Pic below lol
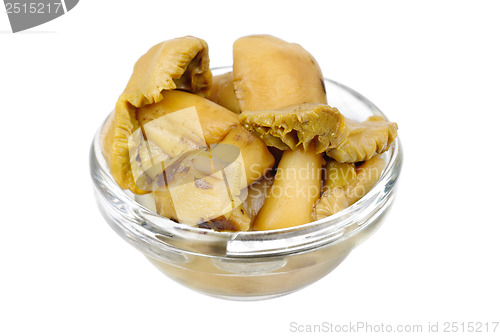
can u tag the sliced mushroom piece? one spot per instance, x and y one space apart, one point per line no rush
365 139
269 73
178 63
296 186
338 198
222 92
309 126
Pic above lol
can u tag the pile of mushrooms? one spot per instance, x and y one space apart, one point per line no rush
257 148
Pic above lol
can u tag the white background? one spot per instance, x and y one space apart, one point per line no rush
432 66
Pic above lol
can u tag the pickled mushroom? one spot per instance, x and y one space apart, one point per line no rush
337 197
295 189
178 63
269 73
305 126
365 139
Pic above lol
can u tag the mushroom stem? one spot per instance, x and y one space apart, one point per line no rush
257 159
296 186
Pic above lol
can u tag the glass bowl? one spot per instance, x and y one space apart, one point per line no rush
257 264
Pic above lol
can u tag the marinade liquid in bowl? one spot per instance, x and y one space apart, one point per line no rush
250 265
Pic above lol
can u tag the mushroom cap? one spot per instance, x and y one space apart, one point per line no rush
269 73
332 201
364 140
178 63
306 126
339 197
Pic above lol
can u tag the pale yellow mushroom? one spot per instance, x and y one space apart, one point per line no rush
296 186
340 197
364 140
269 73
179 123
222 92
179 63
215 120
